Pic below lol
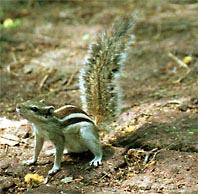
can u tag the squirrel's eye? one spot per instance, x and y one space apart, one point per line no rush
34 108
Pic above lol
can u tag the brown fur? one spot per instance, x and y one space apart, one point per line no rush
67 110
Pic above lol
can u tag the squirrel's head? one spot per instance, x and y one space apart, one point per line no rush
35 111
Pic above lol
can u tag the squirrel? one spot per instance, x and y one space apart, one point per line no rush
70 127
67 127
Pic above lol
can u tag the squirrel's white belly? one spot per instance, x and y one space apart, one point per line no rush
72 144
73 140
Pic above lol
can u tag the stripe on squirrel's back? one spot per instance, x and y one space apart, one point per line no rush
68 110
76 120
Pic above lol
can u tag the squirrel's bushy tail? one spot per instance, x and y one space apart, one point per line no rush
100 93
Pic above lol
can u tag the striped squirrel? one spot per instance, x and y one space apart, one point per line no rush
70 127
67 127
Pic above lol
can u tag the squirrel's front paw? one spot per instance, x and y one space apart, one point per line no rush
53 170
96 161
29 162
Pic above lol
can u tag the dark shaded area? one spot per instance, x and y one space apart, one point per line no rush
155 135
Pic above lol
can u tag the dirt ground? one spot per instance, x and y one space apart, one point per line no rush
41 58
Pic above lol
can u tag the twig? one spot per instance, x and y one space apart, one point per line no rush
172 102
72 77
106 174
148 154
155 154
178 61
181 64
14 57
14 62
45 79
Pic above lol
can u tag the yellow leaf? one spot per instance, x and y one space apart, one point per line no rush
130 129
51 89
130 175
187 60
24 12
7 23
33 180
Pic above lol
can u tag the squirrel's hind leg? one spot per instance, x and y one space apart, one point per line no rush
91 140
96 161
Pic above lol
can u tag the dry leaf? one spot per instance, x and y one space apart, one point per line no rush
67 179
6 123
9 142
33 180
187 60
130 129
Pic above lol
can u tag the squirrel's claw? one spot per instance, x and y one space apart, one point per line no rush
96 161
53 170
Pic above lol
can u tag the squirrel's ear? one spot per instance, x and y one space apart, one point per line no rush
50 109
42 101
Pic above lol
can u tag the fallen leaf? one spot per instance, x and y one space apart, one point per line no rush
67 179
7 23
10 137
9 142
33 180
187 60
6 123
130 129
